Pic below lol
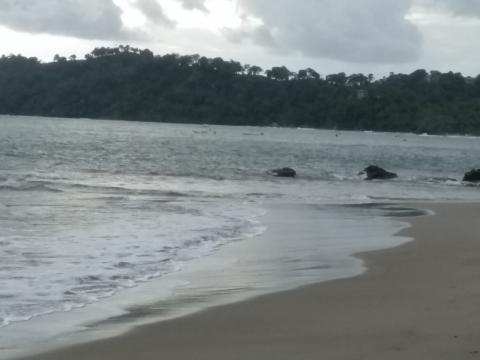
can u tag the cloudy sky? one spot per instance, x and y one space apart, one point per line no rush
369 36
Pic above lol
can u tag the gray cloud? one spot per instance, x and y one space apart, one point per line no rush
153 12
364 31
260 35
368 31
90 19
194 4
468 8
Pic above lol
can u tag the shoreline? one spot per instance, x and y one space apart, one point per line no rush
415 301
290 254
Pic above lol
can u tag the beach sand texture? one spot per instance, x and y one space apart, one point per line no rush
417 301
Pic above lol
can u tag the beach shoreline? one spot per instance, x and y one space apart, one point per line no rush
291 253
415 301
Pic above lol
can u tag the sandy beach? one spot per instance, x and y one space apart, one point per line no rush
416 301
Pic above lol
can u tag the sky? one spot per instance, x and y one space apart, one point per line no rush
367 36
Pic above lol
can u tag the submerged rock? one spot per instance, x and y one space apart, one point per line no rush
376 172
283 172
472 176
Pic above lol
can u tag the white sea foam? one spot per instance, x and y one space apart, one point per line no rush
105 239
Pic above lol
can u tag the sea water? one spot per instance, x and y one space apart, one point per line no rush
98 216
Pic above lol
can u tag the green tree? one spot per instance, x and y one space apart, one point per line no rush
279 73
134 84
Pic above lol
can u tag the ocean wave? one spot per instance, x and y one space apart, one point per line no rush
402 178
36 182
126 253
436 180
125 190
29 187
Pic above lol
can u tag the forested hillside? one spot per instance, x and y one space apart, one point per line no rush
133 84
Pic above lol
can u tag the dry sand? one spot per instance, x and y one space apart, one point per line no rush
417 301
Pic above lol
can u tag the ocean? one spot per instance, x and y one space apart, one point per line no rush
105 224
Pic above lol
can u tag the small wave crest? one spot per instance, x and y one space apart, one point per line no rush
124 190
28 186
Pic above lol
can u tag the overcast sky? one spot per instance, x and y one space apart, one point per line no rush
369 36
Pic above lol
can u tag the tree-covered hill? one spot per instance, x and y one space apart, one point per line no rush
133 84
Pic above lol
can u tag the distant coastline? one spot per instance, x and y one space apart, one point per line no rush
127 83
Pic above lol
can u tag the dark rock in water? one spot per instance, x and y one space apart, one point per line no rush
376 172
472 176
284 172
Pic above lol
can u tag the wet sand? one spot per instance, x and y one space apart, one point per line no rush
416 301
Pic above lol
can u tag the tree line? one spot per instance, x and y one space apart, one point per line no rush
134 84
